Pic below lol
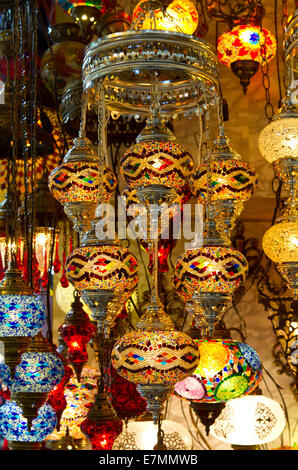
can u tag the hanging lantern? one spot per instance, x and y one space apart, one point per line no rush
39 370
13 426
142 435
75 183
144 357
22 315
62 63
227 369
79 398
86 13
156 162
56 398
244 48
180 16
77 330
101 425
249 421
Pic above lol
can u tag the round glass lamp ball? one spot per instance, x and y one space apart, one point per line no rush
155 357
279 139
227 369
280 242
61 65
21 315
209 269
180 16
110 267
13 425
250 420
37 372
156 162
230 179
244 42
79 182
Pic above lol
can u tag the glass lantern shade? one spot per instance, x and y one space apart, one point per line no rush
109 267
156 163
74 182
279 139
13 425
142 435
65 59
244 42
36 373
180 16
250 420
102 434
21 315
229 179
209 269
155 357
56 398
227 369
280 242
68 5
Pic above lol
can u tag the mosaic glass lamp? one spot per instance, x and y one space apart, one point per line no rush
22 315
142 435
180 16
243 49
39 370
13 426
249 421
75 183
227 369
77 330
155 357
56 398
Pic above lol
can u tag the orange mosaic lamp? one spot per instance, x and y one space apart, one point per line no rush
244 48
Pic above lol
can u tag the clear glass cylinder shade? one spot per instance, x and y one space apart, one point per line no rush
250 420
13 425
279 139
280 242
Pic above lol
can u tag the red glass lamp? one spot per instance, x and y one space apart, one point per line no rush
244 48
56 398
77 330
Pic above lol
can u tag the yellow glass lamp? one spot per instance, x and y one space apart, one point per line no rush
180 16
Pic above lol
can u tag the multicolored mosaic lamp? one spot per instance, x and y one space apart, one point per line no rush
251 420
180 16
13 426
39 370
77 330
22 315
244 48
75 183
225 181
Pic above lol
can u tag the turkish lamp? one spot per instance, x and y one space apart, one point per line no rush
67 442
22 315
252 420
77 330
244 48
56 398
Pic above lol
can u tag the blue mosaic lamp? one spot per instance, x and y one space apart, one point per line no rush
22 315
37 373
13 426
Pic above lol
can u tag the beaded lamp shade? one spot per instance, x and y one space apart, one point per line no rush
13 425
105 266
249 420
229 179
218 269
227 369
179 16
244 42
152 162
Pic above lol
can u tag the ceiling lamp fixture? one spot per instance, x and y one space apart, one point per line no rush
244 48
180 16
249 421
86 13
